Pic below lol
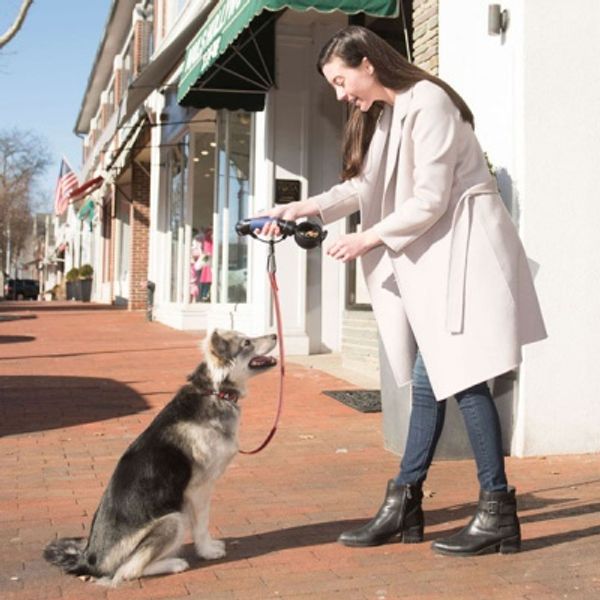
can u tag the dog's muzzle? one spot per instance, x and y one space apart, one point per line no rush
262 362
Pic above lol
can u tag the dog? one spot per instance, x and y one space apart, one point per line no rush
163 482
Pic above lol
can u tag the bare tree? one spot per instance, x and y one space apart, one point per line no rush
23 159
14 28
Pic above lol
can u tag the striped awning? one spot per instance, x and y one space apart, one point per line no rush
220 44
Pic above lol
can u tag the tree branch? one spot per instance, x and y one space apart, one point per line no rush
13 30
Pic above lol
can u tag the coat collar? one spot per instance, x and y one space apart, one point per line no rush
401 104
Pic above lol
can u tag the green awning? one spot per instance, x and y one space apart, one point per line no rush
225 24
86 212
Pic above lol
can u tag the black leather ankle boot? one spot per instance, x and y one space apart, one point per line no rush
400 516
495 527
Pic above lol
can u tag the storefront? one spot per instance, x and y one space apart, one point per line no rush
197 260
246 122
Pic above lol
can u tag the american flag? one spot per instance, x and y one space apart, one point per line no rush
67 182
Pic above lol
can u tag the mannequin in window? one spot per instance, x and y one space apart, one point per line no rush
206 270
196 264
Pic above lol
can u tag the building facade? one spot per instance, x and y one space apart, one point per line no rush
183 160
198 114
535 97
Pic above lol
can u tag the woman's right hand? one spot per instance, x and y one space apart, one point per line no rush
286 212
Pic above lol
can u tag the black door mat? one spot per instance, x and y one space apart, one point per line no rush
367 401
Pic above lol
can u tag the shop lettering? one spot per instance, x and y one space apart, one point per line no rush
205 48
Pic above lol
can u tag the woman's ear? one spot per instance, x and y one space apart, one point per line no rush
366 64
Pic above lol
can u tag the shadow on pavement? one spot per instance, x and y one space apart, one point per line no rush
38 403
16 339
37 306
94 353
559 538
251 546
16 317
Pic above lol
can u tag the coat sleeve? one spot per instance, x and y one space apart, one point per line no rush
434 138
339 201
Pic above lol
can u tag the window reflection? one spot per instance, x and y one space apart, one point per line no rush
233 199
178 164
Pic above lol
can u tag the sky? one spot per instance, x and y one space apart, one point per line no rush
44 72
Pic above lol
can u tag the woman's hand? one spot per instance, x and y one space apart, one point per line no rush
352 245
286 212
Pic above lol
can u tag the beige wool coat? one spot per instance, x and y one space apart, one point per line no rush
451 277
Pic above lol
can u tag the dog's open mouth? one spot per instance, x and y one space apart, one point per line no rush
262 362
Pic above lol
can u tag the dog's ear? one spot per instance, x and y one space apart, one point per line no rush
219 346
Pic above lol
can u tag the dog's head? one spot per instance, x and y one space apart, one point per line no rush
237 357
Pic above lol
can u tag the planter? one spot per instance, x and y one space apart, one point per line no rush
73 290
86 289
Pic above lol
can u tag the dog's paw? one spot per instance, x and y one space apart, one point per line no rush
177 565
211 549
166 565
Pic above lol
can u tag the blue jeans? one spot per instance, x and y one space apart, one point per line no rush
426 423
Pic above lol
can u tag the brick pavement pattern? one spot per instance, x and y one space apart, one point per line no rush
79 382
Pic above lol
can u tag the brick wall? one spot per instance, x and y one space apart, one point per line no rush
118 80
140 232
139 45
425 35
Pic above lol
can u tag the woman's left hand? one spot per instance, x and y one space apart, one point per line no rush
352 245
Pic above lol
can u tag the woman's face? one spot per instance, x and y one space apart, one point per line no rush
357 86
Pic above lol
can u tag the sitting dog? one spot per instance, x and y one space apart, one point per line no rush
164 481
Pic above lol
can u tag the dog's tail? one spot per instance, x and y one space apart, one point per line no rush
69 555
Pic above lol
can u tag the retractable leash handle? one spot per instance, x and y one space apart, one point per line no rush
306 234
249 226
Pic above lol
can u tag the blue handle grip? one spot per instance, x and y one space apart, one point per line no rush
259 222
249 226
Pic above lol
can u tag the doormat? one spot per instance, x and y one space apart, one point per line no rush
367 401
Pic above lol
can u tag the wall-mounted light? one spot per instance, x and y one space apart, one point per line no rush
497 19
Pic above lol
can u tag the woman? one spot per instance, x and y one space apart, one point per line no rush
447 275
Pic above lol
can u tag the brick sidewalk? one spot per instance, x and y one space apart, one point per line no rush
79 382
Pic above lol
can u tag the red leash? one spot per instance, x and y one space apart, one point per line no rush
271 269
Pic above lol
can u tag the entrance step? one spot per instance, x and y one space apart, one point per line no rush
360 341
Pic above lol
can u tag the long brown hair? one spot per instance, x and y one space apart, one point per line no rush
352 44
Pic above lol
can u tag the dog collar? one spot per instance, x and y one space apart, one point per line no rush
230 396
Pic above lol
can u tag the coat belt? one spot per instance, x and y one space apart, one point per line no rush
459 247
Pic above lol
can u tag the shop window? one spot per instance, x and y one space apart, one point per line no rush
124 246
177 162
357 295
203 178
212 264
106 233
233 162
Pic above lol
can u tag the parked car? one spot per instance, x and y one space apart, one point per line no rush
21 289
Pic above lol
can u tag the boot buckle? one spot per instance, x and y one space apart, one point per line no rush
492 507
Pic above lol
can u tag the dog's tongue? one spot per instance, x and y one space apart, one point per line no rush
263 361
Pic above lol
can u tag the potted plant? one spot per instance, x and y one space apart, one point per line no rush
86 273
73 285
